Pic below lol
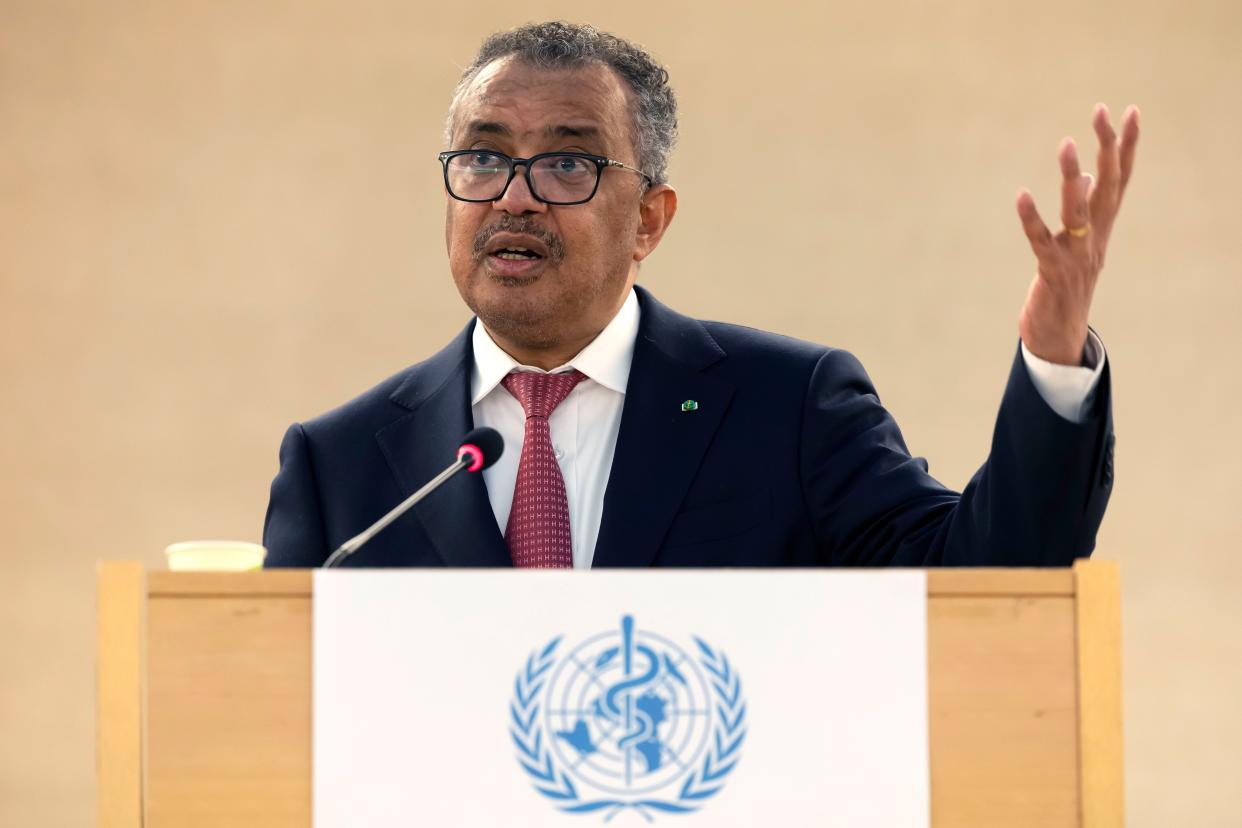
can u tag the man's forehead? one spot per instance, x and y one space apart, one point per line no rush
509 98
478 126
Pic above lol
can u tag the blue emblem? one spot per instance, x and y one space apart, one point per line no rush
627 720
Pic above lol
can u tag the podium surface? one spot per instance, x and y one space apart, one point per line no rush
205 691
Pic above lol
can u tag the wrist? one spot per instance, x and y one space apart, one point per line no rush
1058 352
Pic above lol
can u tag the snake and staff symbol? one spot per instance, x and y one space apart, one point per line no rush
631 704
627 720
627 709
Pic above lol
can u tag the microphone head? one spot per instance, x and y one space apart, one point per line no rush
482 447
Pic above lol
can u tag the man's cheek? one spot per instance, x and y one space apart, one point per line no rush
458 232
460 244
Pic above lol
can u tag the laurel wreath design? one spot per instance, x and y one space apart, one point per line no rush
535 755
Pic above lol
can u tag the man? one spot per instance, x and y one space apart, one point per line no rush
638 437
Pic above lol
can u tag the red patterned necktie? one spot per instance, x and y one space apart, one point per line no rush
538 530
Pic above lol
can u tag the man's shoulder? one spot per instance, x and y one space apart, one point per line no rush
735 340
750 353
747 342
397 394
785 361
368 411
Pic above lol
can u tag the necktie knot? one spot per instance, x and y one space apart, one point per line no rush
540 393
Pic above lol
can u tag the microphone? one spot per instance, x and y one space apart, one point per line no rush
479 449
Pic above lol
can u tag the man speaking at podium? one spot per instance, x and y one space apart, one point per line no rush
639 437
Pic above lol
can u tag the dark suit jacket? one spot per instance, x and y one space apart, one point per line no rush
789 460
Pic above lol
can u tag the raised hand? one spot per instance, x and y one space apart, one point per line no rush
1053 322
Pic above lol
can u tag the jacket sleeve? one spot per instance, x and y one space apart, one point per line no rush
293 530
1037 501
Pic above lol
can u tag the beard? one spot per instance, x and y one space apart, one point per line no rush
563 303
518 224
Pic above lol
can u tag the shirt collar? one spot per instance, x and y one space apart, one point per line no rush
606 360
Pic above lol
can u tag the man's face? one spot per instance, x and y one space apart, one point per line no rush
585 252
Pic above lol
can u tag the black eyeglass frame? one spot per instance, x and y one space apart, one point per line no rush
600 161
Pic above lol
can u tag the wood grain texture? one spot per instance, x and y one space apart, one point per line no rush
1026 582
1099 694
1001 697
230 699
229 716
121 597
298 582
265 583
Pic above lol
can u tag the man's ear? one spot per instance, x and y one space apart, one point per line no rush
655 213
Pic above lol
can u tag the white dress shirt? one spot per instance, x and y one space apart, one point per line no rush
1069 390
585 425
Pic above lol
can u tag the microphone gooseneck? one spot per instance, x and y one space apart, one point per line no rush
479 449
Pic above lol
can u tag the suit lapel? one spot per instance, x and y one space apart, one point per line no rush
660 446
458 518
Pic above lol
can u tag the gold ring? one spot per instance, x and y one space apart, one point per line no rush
1079 232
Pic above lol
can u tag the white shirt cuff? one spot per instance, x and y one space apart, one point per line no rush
1069 390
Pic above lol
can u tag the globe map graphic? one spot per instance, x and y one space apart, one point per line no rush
627 712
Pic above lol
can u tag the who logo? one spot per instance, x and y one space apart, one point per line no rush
628 720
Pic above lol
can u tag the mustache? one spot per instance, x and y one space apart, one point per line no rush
518 224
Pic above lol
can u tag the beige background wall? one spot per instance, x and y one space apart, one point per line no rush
220 217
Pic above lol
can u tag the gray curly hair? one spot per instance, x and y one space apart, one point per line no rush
560 45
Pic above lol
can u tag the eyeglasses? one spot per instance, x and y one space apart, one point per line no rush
553 177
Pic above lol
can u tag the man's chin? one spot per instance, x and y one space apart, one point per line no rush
518 295
526 333
514 309
514 281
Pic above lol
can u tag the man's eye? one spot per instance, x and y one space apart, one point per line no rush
485 160
568 165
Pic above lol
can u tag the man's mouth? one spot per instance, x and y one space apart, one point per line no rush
517 247
516 254
517 258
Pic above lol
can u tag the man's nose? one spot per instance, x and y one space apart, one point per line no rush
517 199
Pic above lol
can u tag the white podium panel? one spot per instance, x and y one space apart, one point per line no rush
721 698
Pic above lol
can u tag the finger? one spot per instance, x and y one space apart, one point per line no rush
1037 233
1129 141
1074 212
1108 167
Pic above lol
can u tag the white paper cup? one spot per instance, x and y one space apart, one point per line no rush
215 556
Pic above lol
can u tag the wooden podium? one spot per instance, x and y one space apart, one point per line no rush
204 698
